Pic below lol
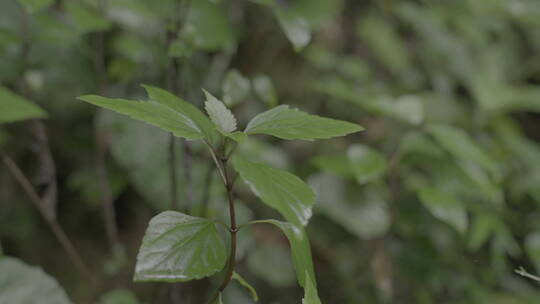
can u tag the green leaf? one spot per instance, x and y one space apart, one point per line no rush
301 255
208 27
178 247
286 123
85 18
265 90
296 28
444 207
279 189
271 262
24 284
462 146
235 87
237 136
119 296
219 114
15 108
248 286
33 6
366 163
152 113
310 292
181 106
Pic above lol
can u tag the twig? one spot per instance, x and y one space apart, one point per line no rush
52 222
522 272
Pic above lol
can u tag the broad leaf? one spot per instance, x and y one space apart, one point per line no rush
24 284
178 247
219 114
181 106
235 87
444 207
301 256
152 113
15 108
248 286
279 189
366 163
287 123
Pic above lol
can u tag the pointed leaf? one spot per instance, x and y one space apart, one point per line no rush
287 123
248 286
301 255
150 112
179 247
24 284
279 189
444 207
181 106
15 108
219 114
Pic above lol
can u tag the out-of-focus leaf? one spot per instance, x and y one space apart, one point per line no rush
367 217
461 145
272 264
444 207
278 189
296 28
178 247
265 90
532 247
33 6
207 27
235 87
85 18
23 284
286 123
366 163
336 163
385 43
119 296
15 108
180 49
248 286
222 117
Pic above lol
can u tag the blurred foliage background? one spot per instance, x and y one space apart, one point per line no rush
438 201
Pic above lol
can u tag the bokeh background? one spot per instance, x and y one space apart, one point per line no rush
438 201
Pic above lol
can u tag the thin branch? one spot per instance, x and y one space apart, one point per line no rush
52 222
233 229
522 272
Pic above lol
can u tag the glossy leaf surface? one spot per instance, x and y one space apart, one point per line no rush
178 247
279 189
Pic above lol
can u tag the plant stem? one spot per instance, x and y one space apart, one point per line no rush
51 221
221 164
522 272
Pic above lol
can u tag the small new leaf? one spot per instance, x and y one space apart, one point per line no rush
279 189
286 123
219 114
179 247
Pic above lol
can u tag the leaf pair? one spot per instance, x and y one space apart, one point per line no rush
175 115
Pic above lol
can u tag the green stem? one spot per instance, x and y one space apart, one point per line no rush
233 229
